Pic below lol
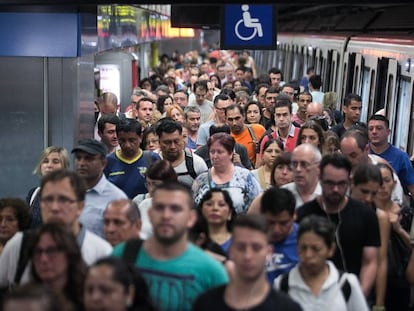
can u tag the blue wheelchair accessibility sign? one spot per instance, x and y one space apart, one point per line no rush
249 26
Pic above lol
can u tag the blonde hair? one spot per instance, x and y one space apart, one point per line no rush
170 108
330 100
63 156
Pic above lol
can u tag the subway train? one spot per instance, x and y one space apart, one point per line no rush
379 68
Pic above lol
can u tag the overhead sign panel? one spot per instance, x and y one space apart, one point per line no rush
248 26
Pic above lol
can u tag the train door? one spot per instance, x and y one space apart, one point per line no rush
297 64
368 78
391 104
318 61
287 70
335 72
403 116
368 92
348 74
357 78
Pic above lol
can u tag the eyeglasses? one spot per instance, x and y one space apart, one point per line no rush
303 164
332 184
50 252
61 200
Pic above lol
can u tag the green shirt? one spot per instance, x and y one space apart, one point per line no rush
174 284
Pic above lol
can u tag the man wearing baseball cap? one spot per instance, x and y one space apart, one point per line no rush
90 161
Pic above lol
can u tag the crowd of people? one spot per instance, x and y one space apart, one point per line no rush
219 187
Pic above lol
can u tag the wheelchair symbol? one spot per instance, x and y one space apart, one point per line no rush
248 22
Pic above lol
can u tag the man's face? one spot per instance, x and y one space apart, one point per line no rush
270 100
221 72
280 225
107 108
377 132
171 216
210 91
181 99
239 75
261 96
303 101
290 92
58 202
353 111
193 121
117 226
88 166
335 182
172 145
235 120
108 135
200 94
283 118
129 143
145 111
220 108
275 79
305 168
249 251
350 149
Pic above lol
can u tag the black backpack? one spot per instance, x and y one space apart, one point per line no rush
189 164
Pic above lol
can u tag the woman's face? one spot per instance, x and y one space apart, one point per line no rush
51 163
214 80
388 184
313 252
219 156
270 154
253 114
153 143
283 175
237 84
215 210
309 136
152 184
365 192
177 116
49 260
147 86
167 102
327 117
9 224
102 293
